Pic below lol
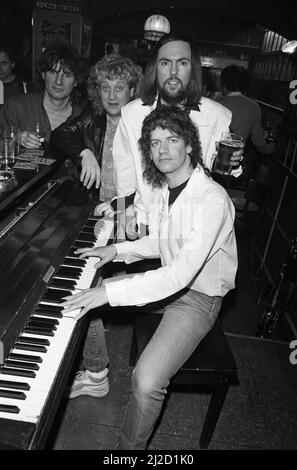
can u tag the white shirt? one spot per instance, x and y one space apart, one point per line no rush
195 240
211 121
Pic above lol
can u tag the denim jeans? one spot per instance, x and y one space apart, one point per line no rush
186 320
95 357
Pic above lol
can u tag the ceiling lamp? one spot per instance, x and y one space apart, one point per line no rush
290 47
155 27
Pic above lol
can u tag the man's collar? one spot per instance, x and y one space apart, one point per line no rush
188 107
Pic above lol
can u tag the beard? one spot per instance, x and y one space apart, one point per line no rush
173 98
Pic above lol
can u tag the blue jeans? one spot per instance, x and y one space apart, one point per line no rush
95 357
186 320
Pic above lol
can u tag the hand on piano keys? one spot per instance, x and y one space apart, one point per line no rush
106 254
85 300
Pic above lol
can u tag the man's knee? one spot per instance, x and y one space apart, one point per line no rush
143 384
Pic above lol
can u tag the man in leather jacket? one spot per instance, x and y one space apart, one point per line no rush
88 139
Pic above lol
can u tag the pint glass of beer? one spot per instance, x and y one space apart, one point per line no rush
228 144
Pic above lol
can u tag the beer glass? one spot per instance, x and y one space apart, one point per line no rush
39 131
228 144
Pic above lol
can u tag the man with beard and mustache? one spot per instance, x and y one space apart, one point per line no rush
173 77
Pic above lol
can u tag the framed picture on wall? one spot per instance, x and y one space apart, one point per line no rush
53 30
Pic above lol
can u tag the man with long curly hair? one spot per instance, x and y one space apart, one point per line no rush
191 230
88 139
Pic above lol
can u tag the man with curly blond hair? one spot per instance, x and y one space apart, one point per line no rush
88 139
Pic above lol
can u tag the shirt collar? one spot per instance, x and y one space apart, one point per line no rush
188 107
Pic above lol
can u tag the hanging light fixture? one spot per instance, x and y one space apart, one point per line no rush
155 27
290 47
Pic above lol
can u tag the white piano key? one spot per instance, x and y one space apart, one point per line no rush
31 408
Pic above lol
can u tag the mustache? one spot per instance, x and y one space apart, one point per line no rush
172 78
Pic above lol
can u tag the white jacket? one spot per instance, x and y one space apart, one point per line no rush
195 240
211 121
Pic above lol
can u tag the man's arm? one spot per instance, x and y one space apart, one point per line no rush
212 226
68 139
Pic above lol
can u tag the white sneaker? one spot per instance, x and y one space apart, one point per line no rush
94 384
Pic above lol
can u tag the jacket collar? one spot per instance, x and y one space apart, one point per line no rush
196 111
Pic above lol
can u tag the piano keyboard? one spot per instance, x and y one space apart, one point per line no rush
30 368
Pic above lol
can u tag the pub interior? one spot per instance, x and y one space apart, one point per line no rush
258 317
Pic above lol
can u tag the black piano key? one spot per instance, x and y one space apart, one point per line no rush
25 357
38 331
63 283
91 222
44 321
30 347
57 292
21 365
82 244
68 275
47 312
12 394
88 229
20 372
71 253
9 408
86 237
50 308
74 262
30 340
71 269
17 385
34 322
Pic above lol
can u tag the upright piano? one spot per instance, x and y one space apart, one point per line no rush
38 267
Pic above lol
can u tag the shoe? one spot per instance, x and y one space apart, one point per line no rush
94 384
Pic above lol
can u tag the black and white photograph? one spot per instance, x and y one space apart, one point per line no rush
148 230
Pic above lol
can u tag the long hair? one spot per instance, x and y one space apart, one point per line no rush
179 123
67 56
114 67
149 88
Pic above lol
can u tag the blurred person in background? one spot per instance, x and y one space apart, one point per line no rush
246 115
12 83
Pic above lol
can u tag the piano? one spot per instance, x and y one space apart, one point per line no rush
38 343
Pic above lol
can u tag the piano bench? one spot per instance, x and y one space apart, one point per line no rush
211 365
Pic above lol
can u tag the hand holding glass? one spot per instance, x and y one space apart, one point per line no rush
38 131
228 144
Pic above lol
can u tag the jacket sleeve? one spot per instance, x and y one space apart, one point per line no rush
68 139
212 226
123 163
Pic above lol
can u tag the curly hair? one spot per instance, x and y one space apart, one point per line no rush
114 67
179 123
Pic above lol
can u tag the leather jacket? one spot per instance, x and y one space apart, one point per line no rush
85 131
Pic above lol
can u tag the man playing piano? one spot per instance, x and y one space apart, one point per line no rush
191 230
